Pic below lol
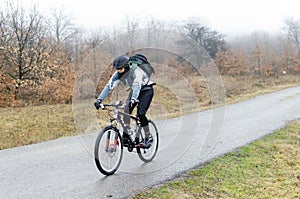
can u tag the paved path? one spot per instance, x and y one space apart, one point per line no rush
64 168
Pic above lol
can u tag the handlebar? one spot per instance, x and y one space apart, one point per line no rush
117 104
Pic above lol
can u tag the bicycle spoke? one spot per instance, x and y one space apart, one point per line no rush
147 155
109 159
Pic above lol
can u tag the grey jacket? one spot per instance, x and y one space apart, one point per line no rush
137 80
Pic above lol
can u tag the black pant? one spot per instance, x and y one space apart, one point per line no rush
145 99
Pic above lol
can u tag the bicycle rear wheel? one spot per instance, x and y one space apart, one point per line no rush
108 150
147 155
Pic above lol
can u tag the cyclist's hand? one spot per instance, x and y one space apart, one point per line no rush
97 104
131 103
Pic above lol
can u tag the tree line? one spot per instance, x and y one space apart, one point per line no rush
40 55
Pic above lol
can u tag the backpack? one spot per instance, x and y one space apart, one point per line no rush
139 60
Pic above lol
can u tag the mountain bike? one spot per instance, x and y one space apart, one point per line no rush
108 151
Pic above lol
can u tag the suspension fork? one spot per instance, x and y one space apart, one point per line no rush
107 140
114 123
115 139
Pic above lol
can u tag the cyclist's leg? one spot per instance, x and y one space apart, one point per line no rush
126 119
128 110
145 99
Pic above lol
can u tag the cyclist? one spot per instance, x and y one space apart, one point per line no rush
141 89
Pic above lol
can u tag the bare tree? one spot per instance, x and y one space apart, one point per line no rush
111 42
61 26
130 35
158 31
211 41
24 45
94 41
287 56
257 56
292 27
3 39
63 31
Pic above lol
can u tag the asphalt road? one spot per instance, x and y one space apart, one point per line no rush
64 168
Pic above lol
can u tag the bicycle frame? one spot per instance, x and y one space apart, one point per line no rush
116 118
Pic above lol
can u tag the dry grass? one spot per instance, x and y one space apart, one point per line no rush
242 88
28 125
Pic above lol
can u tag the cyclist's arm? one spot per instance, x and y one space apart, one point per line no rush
112 83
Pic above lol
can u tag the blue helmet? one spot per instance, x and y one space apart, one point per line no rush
121 62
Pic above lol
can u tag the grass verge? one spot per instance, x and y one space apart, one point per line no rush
29 125
266 168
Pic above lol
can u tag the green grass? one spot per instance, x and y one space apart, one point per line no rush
266 168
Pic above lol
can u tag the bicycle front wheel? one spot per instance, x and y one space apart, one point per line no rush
108 150
147 155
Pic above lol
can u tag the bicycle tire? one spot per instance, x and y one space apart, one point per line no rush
147 155
108 151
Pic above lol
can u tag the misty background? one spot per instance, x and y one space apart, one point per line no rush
41 51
